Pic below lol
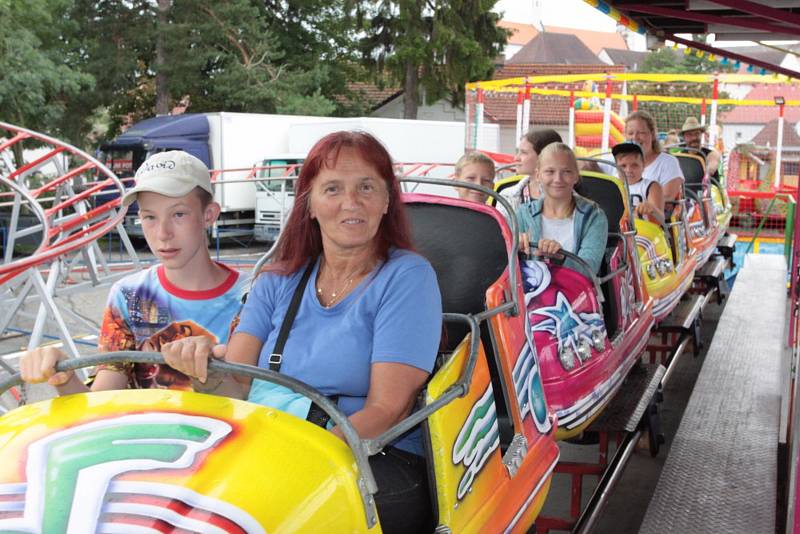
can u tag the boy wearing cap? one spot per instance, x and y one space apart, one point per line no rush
647 196
186 294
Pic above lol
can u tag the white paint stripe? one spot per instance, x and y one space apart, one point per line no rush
567 416
190 497
13 489
12 506
532 496
152 511
117 528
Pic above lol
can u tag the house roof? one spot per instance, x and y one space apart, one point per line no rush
521 34
594 40
764 114
374 95
769 135
545 109
632 59
555 48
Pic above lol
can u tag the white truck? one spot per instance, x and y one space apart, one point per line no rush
224 141
408 141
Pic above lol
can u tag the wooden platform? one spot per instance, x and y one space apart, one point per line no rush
720 475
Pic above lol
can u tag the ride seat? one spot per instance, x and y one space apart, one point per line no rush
609 194
693 167
466 248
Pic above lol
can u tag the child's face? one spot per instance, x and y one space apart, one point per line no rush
558 174
632 166
175 227
478 174
527 158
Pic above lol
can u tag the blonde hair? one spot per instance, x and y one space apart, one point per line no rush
650 122
559 148
473 157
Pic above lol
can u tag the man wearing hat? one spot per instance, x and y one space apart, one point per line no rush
692 132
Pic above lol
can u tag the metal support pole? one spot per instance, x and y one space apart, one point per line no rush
779 148
712 136
519 130
478 119
604 144
571 134
526 108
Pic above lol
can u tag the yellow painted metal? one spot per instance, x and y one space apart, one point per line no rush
287 474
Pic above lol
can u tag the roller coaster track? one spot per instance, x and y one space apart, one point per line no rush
52 202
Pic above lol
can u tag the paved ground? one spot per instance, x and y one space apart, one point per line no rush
629 501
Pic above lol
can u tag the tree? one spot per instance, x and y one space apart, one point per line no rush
36 83
433 45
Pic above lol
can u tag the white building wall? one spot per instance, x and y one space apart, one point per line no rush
734 134
438 111
510 50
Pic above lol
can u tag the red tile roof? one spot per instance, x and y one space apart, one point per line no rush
545 109
764 114
769 135
595 40
521 34
375 96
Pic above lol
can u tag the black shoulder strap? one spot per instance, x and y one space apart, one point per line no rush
277 353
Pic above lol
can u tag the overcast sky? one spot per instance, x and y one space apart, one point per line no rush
566 13
569 13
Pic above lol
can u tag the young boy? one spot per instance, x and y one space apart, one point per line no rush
187 294
647 196
476 168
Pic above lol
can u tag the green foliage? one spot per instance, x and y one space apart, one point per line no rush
672 115
669 60
81 69
442 44
36 84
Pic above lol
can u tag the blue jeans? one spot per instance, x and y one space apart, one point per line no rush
403 498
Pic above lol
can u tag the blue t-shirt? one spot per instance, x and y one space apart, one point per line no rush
394 315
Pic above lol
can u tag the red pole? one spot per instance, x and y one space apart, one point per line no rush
635 104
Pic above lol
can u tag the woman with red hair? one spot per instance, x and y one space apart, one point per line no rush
368 324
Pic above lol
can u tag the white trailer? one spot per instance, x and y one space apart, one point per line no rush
408 142
229 142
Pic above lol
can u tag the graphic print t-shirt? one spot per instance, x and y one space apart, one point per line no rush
145 311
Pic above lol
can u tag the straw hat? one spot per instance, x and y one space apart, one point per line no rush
692 123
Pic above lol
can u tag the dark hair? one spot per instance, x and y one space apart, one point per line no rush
541 137
301 239
650 122
205 197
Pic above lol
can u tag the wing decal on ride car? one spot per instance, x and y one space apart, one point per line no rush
71 484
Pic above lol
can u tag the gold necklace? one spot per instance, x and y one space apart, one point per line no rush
335 296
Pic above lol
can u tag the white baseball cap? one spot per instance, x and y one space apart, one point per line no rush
174 174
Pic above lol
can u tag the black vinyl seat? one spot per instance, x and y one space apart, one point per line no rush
694 169
468 252
606 193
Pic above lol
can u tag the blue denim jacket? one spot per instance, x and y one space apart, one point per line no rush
590 228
